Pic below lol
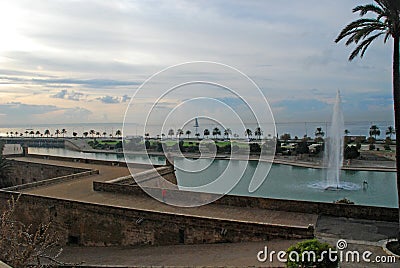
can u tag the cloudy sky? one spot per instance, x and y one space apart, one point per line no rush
77 61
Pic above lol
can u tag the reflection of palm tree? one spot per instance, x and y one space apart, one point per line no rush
374 131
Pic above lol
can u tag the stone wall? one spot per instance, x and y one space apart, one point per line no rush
321 208
99 225
23 172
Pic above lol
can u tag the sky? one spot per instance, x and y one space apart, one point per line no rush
83 61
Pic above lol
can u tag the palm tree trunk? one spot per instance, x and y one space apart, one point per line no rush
396 98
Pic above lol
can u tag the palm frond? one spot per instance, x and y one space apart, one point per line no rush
363 47
368 8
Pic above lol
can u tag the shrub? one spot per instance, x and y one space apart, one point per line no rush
303 248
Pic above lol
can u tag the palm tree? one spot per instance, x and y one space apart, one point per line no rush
98 134
171 133
85 134
387 23
47 132
227 132
104 134
216 132
390 131
179 132
63 132
319 132
26 132
346 132
206 132
258 132
197 135
248 133
32 133
188 132
374 131
118 133
57 132
37 133
74 134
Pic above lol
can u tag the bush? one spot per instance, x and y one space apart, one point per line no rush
312 245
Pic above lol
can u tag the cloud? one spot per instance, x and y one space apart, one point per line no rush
69 95
108 99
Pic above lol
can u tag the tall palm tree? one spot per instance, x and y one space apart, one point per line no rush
319 132
47 132
258 132
206 132
216 132
37 133
366 30
179 132
227 132
118 133
57 132
390 131
374 131
188 132
248 133
171 133
346 132
63 132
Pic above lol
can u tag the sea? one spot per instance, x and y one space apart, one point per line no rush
298 129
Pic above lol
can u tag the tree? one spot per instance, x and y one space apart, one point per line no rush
171 133
74 134
47 133
374 131
57 132
32 133
346 132
390 131
37 133
147 135
197 135
366 30
98 134
92 132
285 137
188 132
26 133
85 134
22 245
216 132
104 134
63 132
179 133
258 132
118 133
206 132
248 133
227 132
319 132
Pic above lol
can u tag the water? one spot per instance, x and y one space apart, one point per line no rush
333 156
298 183
132 158
283 181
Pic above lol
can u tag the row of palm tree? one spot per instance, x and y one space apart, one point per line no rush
62 132
215 132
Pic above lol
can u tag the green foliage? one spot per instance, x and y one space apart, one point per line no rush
307 246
